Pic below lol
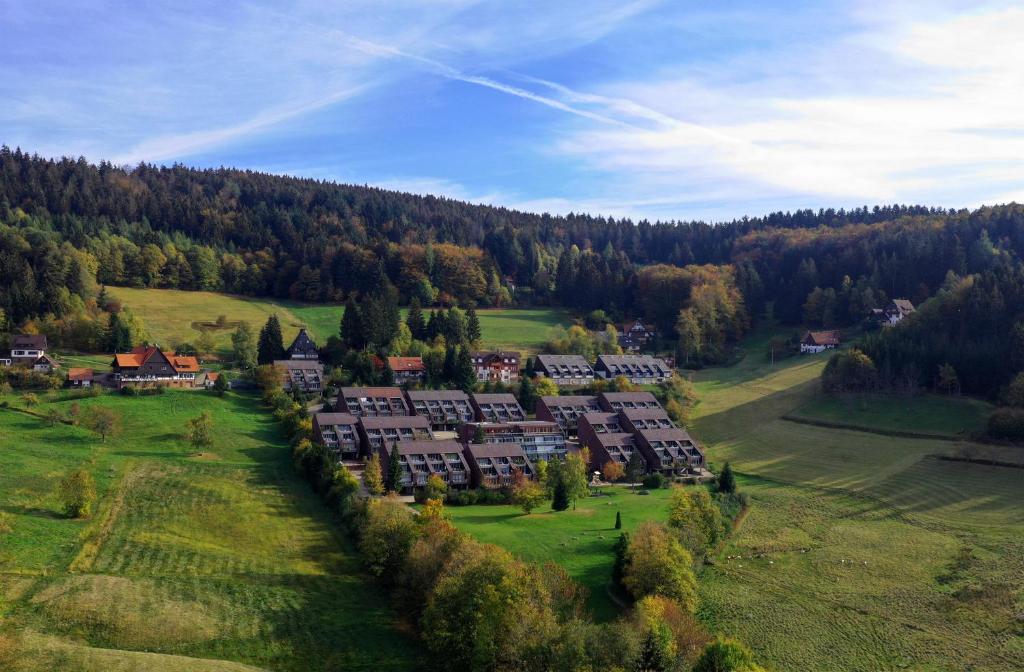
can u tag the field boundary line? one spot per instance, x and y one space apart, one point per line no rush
86 557
897 433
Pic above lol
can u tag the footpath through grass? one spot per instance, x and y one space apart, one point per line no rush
221 555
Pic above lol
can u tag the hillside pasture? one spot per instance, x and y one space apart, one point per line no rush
213 559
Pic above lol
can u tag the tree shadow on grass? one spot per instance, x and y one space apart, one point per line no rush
34 511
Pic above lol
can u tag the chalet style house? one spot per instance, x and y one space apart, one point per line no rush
494 465
29 350
613 402
539 439
304 375
407 369
421 459
565 370
368 402
500 407
635 336
445 409
566 410
303 347
375 432
339 433
639 369
894 313
496 367
818 341
149 366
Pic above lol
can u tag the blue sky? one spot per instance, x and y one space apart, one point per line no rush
663 110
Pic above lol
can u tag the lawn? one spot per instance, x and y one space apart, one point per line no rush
926 413
174 316
207 560
860 552
581 540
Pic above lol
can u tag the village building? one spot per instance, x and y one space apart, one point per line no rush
303 347
497 407
339 433
496 366
421 459
611 447
894 313
149 366
539 439
566 410
671 451
565 370
445 409
636 419
368 402
26 349
379 430
407 369
613 402
304 375
207 379
638 369
635 336
79 377
494 465
818 341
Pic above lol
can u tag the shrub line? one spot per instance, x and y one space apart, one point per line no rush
899 433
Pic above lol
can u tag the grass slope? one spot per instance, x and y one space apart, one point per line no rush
928 413
173 316
203 558
860 552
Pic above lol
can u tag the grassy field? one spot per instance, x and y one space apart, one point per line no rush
173 316
926 413
580 540
215 560
860 552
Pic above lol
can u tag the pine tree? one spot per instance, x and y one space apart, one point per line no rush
560 499
618 520
478 434
635 467
465 373
119 336
472 326
372 477
394 469
621 551
450 368
271 343
527 395
434 327
351 327
726 480
414 320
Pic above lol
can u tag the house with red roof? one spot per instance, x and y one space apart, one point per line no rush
149 366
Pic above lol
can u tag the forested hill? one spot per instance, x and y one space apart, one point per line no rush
68 226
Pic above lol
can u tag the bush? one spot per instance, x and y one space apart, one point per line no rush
78 493
726 655
657 564
1006 423
850 371
654 481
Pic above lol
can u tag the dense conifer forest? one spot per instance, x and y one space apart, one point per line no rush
67 227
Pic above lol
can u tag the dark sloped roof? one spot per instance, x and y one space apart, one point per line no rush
394 421
324 419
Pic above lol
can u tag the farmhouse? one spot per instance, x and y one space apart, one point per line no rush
303 375
376 431
303 347
407 369
79 377
894 313
635 336
565 410
421 459
568 370
496 367
494 465
639 369
500 407
26 349
338 432
149 366
539 439
368 402
613 402
818 341
445 409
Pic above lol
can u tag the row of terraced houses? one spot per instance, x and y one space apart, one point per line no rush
482 440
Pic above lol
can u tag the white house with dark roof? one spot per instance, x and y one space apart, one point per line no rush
639 369
567 370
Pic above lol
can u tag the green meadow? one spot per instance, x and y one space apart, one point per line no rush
219 559
174 316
